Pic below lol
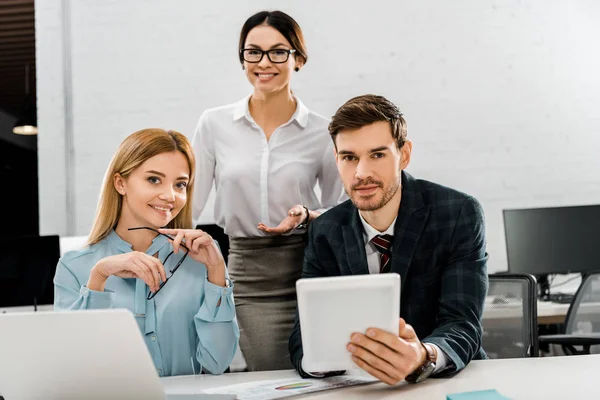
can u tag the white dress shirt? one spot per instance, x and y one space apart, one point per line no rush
258 180
374 265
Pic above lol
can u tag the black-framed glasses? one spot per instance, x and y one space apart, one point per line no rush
172 271
276 56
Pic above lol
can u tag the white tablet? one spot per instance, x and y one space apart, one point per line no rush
331 309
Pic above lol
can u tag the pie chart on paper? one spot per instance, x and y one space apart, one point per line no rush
299 385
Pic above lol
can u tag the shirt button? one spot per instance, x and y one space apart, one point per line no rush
153 338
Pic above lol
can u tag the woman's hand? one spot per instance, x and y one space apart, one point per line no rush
202 248
296 215
134 264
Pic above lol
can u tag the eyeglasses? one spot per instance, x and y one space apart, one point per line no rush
151 295
276 56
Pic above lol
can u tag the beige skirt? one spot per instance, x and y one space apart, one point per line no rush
264 272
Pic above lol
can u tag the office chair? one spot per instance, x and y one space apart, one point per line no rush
510 317
582 324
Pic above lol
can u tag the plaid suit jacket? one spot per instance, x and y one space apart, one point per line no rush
439 252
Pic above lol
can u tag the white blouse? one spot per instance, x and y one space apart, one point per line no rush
258 180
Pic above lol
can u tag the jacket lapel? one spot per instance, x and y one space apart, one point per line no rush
354 246
411 220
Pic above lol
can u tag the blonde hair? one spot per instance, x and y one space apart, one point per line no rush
136 149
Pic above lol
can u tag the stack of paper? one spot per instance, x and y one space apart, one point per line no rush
282 388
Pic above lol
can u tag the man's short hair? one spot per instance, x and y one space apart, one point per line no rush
367 109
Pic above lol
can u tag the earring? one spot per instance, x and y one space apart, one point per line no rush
296 69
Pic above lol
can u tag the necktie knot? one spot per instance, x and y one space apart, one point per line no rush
383 243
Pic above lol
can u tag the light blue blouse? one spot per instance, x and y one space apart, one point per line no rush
184 328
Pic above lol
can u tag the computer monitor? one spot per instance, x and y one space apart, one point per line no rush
27 267
556 240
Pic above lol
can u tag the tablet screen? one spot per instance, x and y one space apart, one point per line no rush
331 309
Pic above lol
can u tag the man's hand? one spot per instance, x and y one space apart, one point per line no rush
385 356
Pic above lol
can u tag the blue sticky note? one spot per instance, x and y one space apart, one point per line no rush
491 394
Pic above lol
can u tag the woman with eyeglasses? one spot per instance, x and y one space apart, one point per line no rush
173 280
265 154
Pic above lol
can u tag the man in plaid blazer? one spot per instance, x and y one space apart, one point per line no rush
431 235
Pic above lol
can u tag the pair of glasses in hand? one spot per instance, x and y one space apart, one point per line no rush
172 271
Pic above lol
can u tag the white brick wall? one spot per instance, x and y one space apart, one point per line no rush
501 97
51 119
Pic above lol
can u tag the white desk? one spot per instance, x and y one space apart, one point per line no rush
41 308
555 313
551 313
561 378
548 312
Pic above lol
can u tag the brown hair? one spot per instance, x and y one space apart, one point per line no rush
365 110
133 152
279 20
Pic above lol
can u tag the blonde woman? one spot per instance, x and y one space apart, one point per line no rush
174 280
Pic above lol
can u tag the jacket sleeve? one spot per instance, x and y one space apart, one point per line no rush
464 287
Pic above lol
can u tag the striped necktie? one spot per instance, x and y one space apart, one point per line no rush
383 244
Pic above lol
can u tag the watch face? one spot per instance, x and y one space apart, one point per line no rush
427 370
421 373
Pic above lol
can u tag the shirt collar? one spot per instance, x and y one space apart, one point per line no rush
369 232
241 110
115 240
301 113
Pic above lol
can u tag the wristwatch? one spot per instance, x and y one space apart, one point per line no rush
304 224
425 370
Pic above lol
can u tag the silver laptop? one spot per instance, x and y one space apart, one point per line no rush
97 354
